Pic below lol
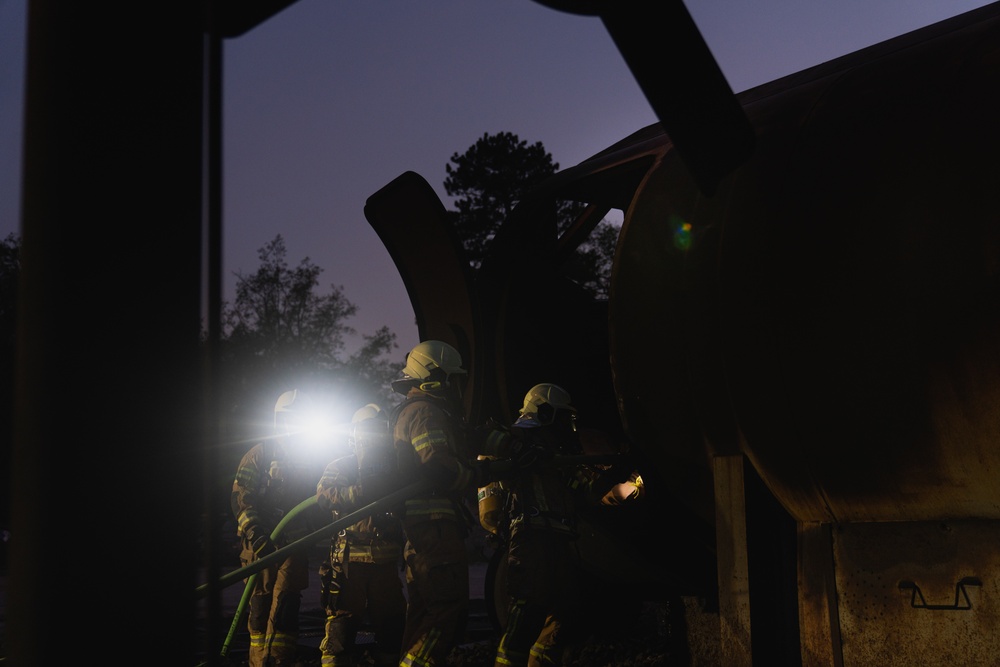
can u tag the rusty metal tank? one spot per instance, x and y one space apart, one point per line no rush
801 352
833 310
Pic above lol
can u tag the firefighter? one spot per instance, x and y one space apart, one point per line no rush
269 482
544 570
427 434
361 578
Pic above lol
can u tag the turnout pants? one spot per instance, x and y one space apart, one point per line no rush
437 583
544 590
274 612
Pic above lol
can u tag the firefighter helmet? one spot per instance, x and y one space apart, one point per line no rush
430 366
286 401
371 441
370 411
547 402
291 410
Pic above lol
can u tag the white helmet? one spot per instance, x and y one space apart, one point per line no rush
285 401
370 411
291 410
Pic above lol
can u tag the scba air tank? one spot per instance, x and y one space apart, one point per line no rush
491 503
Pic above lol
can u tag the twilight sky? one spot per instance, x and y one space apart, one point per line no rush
328 101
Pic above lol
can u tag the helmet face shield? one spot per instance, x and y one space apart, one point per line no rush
366 420
566 419
370 440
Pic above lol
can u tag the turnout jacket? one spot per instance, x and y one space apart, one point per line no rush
265 488
546 497
375 539
430 445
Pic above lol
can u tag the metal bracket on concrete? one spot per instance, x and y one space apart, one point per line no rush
917 598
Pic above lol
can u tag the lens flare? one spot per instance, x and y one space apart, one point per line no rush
682 233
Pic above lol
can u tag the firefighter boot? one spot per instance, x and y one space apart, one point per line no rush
337 647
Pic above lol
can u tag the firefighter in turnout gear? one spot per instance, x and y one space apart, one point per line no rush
269 482
429 445
361 583
544 568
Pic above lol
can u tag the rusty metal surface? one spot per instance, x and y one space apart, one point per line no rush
832 313
947 623
837 314
819 625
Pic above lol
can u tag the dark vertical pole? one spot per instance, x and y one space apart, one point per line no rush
213 171
107 432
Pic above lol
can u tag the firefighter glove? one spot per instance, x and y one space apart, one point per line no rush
263 546
324 503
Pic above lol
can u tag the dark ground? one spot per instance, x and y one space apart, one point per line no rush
615 631
621 634
641 638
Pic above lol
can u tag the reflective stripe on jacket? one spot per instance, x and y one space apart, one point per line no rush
429 446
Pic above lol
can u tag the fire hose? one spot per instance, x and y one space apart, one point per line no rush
251 570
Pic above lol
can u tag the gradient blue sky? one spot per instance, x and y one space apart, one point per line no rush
330 100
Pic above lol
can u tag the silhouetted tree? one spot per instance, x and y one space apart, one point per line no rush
590 265
281 333
489 180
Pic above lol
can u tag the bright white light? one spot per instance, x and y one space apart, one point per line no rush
312 433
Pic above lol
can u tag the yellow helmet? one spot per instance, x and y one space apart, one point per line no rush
544 401
430 364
